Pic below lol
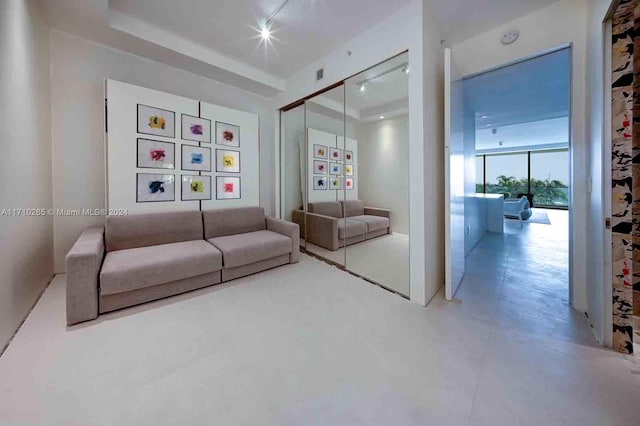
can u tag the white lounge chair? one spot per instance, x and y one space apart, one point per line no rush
516 209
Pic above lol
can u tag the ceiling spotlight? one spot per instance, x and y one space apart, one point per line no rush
265 33
363 87
405 69
382 117
483 117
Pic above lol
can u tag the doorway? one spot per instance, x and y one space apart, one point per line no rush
512 126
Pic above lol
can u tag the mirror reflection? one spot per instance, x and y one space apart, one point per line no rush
377 101
345 174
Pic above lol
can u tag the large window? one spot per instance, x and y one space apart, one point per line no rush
550 177
506 174
480 174
543 174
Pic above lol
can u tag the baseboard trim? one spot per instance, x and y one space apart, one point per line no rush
27 315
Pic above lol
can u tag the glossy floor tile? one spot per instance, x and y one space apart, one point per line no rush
308 344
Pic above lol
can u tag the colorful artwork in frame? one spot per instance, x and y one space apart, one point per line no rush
335 183
228 188
320 183
348 184
348 169
196 188
335 169
320 167
348 156
155 154
227 134
320 151
152 187
156 121
335 154
196 129
227 161
196 158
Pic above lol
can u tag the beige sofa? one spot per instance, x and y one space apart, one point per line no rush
334 224
152 256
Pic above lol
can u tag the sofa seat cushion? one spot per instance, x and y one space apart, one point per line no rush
374 223
348 228
251 247
136 268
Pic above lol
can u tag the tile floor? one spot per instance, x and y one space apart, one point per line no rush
307 344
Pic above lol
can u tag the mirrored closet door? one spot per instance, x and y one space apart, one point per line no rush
325 229
345 174
377 174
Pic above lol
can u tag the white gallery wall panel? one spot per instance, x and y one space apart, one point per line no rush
187 138
247 160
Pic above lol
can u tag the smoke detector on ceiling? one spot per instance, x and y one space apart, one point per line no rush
510 37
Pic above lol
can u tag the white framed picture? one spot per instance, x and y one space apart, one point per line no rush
335 169
196 158
154 187
196 129
348 169
227 161
349 184
335 182
156 121
228 188
320 183
227 134
155 154
348 156
196 188
335 154
320 167
320 151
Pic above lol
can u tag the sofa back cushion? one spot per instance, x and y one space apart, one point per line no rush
327 208
353 208
223 222
152 229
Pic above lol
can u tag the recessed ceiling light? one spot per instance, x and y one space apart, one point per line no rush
363 88
382 117
483 117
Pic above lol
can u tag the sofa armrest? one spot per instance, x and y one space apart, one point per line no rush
83 263
287 229
373 211
323 231
297 216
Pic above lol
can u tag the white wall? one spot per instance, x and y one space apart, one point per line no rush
561 23
410 28
598 274
383 148
26 243
78 70
475 212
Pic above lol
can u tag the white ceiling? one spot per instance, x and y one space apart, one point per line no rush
553 133
304 30
219 38
463 19
529 91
